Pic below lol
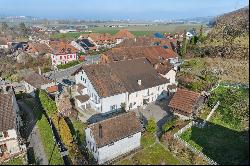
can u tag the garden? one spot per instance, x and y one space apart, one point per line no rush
225 138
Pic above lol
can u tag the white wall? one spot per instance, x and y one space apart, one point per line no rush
116 100
55 59
11 142
29 89
107 152
171 75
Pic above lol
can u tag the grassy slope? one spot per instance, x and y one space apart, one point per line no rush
223 140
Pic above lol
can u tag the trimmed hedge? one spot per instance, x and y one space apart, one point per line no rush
47 103
67 65
151 126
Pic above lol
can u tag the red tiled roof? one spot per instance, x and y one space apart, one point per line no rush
123 34
184 100
61 48
52 89
7 114
115 129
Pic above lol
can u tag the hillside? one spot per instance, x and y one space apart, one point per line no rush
229 36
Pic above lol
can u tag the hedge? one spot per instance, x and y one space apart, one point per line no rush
151 126
67 65
47 103
168 125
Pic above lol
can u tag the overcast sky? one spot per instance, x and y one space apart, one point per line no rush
119 9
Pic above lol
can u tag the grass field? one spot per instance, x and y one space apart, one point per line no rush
225 139
137 30
151 154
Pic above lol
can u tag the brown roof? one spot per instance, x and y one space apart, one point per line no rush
52 89
7 114
36 80
82 98
100 38
114 129
118 77
80 87
60 48
123 34
38 47
154 54
163 68
184 100
64 104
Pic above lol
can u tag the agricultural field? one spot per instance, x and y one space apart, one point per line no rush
225 138
137 30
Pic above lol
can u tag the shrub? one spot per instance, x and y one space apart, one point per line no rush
151 126
63 129
67 65
47 103
168 125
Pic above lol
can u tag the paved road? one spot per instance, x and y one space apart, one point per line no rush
33 135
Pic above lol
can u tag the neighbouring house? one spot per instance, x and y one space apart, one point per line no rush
185 103
84 45
161 59
159 35
19 46
5 41
100 40
191 33
36 48
62 52
10 123
33 81
154 54
133 82
113 137
67 30
122 35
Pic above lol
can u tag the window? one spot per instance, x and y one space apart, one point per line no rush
5 133
65 57
158 87
60 57
136 94
81 78
70 56
113 107
134 103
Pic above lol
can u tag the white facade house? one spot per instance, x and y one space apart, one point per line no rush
113 137
11 122
34 81
132 82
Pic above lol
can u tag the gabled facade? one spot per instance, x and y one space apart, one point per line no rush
132 82
113 137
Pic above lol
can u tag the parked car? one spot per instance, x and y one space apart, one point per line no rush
66 81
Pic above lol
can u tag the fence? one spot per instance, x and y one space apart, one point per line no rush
193 149
211 113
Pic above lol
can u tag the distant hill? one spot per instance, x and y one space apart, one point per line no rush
229 36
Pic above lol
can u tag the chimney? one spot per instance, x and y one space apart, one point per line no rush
39 71
139 82
135 39
100 131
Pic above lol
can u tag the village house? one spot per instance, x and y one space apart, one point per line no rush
62 52
10 123
191 33
113 137
106 86
122 35
100 40
35 48
84 45
185 103
161 59
18 46
33 81
5 41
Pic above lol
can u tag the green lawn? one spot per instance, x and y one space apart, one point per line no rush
50 147
225 139
66 36
15 161
152 153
